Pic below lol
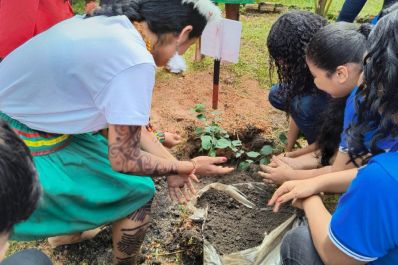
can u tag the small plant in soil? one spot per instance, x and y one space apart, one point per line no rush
262 157
212 136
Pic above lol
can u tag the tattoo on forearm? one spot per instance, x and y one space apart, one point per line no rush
126 152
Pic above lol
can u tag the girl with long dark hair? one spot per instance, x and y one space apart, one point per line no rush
295 92
334 57
364 227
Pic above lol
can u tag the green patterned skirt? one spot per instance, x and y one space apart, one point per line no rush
80 189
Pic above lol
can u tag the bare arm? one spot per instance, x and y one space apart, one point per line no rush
292 135
126 156
318 220
340 163
150 143
302 151
336 182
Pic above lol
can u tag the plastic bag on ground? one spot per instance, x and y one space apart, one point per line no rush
265 254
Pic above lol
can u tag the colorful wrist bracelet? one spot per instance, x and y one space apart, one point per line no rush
160 135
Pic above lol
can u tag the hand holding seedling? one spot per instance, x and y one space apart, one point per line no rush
276 175
206 166
292 190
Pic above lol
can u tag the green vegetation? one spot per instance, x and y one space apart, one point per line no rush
371 8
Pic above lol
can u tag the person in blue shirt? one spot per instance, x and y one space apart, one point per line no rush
351 9
364 227
334 57
362 230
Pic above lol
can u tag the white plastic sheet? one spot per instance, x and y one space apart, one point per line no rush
265 254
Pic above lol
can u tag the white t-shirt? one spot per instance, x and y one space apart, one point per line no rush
79 76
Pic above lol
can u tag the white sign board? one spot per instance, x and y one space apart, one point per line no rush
221 40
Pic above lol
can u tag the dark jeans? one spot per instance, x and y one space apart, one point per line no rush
27 257
297 248
351 9
304 109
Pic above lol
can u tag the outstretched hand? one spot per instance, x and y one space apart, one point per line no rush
208 166
180 188
295 191
277 174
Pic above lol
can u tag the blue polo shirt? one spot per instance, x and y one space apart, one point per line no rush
365 223
389 144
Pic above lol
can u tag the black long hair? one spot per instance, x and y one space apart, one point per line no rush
162 16
287 41
338 44
19 186
335 44
376 100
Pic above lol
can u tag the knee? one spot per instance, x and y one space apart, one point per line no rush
295 246
276 98
28 256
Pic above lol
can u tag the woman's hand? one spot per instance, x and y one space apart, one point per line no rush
180 188
206 166
171 139
293 190
277 174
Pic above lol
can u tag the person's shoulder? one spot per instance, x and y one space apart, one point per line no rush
388 161
114 39
381 173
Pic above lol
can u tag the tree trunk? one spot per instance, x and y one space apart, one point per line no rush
322 7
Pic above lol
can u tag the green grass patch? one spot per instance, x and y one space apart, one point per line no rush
371 8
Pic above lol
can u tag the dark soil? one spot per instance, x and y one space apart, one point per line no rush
232 227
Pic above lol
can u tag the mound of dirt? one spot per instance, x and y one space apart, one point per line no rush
232 227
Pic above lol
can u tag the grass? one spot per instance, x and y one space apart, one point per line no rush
371 8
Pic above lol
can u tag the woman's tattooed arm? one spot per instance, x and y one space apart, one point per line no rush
126 155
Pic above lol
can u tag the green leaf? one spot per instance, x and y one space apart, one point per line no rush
223 143
206 142
283 138
237 155
252 154
199 131
212 152
201 117
266 150
208 129
244 165
264 161
236 143
233 148
199 108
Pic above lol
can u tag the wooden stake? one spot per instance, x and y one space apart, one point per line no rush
216 83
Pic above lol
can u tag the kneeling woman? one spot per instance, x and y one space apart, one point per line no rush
86 74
